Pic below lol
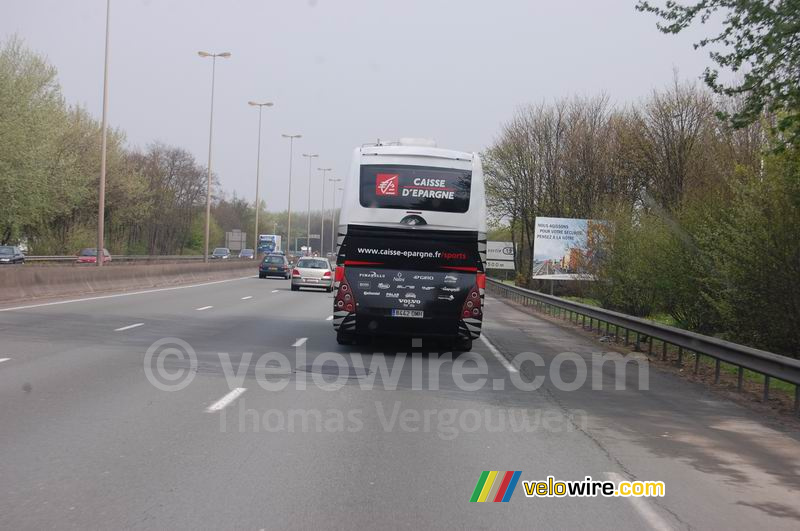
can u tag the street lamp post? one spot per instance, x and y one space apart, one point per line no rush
322 217
333 213
101 192
258 168
213 57
289 209
310 157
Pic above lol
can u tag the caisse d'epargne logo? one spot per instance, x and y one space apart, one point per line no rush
386 184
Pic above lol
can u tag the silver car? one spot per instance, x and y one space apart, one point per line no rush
312 273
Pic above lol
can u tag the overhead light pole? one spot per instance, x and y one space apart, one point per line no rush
322 217
258 168
213 57
310 157
333 213
101 192
289 208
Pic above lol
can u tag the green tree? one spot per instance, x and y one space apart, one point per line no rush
759 39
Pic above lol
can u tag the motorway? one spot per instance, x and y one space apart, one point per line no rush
89 442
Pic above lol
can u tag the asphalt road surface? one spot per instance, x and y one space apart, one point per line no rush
89 441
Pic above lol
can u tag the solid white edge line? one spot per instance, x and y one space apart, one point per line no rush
114 295
225 400
275 291
4 359
200 309
299 342
329 318
136 325
246 298
502 359
641 506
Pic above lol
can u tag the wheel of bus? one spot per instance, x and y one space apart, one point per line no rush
345 338
462 344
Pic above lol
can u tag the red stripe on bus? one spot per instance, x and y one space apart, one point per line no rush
360 262
460 268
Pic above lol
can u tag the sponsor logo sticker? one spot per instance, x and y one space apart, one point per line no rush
372 293
390 295
450 279
383 285
399 277
364 285
423 277
371 274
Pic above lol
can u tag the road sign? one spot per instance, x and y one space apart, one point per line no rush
500 255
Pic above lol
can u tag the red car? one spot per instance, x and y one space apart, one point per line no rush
89 256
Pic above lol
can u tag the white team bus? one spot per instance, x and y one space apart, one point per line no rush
411 245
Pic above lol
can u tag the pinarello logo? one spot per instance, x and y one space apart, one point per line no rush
386 184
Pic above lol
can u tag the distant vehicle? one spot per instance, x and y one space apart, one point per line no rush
312 273
274 264
89 256
10 254
269 243
412 245
248 254
221 253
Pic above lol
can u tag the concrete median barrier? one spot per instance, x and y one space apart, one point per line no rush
32 282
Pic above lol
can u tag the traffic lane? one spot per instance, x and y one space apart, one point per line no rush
104 457
92 404
711 453
41 357
44 330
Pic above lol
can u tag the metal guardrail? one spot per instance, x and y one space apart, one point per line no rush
760 361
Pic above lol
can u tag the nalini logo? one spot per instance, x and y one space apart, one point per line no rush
495 486
386 183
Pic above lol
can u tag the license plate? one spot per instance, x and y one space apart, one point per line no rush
418 314
272 268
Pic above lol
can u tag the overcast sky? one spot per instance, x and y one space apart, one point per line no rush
341 72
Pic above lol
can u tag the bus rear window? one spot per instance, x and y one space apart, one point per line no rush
415 188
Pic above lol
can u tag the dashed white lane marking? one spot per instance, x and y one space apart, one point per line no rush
275 291
4 359
27 306
122 329
226 400
502 359
329 318
299 342
200 309
641 506
246 298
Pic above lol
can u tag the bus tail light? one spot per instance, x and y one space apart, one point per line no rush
472 305
345 298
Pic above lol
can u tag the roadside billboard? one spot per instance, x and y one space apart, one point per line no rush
269 243
500 255
565 248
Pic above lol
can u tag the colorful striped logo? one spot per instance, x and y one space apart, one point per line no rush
495 486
